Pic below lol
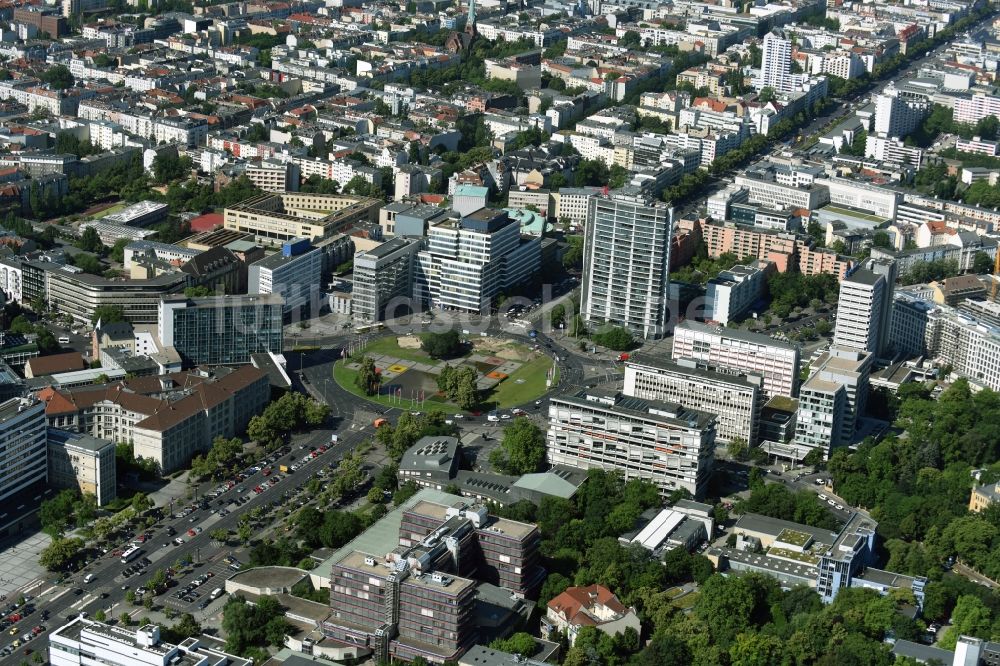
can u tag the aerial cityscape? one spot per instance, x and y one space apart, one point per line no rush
490 333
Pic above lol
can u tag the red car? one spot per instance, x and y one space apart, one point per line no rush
267 471
322 449
191 532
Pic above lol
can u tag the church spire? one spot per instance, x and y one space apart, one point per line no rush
471 19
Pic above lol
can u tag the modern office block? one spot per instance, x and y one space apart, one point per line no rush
381 275
966 338
736 398
22 445
731 294
221 329
294 273
819 418
736 350
864 308
664 443
849 369
626 270
77 460
85 641
276 218
407 587
468 262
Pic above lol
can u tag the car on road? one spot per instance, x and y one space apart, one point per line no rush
831 502
179 540
839 507
822 496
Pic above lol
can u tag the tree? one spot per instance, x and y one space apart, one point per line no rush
558 315
981 263
368 378
90 241
520 643
108 314
442 345
522 450
118 249
125 619
766 95
58 77
186 627
220 534
60 552
616 338
971 617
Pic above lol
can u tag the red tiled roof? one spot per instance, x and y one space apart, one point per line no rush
573 603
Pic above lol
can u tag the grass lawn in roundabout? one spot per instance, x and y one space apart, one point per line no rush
509 373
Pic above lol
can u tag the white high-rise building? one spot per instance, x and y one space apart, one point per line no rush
23 445
732 350
467 262
864 309
776 63
626 269
898 116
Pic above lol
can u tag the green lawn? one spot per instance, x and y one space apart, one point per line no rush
344 376
510 393
388 345
113 209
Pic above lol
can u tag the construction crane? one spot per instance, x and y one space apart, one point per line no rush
996 277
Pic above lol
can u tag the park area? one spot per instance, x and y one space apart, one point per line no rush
507 373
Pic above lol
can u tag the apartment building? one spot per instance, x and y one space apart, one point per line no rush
973 108
662 442
740 351
22 445
897 116
276 218
275 176
85 641
218 330
786 250
965 339
736 399
168 418
776 63
293 273
626 267
467 262
383 276
77 460
864 308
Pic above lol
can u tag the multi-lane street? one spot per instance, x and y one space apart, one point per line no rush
54 603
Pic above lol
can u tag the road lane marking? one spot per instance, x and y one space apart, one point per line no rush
59 595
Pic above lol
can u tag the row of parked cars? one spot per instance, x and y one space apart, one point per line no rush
189 592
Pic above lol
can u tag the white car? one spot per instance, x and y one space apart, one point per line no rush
839 507
505 416
822 497
831 503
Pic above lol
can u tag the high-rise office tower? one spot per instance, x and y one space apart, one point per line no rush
776 63
864 311
22 445
626 269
